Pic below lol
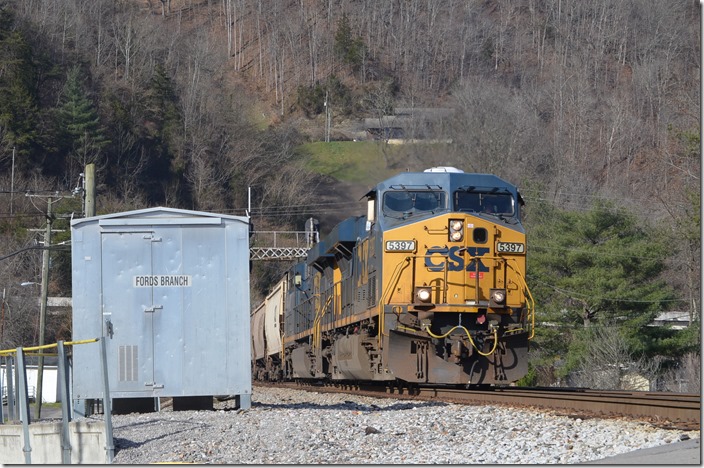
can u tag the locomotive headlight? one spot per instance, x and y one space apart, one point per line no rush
423 295
456 230
497 298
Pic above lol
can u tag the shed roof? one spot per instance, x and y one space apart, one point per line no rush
160 214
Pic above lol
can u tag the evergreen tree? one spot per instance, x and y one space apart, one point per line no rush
163 135
312 99
18 117
162 107
598 267
79 135
347 48
18 78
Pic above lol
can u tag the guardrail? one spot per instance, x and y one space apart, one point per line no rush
31 394
17 394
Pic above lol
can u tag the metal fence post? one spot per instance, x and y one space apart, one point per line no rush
65 403
23 399
11 400
3 389
107 404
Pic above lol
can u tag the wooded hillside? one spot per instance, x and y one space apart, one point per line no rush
186 103
195 97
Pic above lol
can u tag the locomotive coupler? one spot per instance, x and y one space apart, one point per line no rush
458 349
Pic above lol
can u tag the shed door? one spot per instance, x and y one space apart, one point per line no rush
127 309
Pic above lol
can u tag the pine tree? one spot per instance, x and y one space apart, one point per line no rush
347 48
598 268
80 136
163 126
18 108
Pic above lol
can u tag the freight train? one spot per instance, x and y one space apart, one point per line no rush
429 287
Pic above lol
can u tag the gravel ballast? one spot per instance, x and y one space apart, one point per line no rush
286 426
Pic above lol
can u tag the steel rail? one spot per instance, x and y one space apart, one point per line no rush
665 408
662 409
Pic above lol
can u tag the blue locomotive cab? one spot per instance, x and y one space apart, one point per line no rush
489 201
404 203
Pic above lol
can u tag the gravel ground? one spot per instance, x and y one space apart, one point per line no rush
291 426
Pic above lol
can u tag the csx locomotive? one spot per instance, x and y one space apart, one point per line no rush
427 288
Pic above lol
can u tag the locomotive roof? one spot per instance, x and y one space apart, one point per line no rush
449 181
347 232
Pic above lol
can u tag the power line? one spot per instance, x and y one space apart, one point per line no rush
29 192
21 215
589 252
549 196
574 294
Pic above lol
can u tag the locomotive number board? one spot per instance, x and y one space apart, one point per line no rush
511 247
401 246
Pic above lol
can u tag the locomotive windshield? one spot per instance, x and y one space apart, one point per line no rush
404 203
485 202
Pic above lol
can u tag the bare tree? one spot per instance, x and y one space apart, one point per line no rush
21 262
686 377
494 131
607 363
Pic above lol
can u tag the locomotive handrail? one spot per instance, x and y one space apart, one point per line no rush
389 287
317 335
530 302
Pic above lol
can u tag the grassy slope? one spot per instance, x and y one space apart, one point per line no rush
354 167
358 162
365 162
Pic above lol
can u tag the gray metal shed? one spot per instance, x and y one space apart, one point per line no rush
169 289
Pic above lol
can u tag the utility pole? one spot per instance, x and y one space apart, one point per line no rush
42 310
328 113
89 180
46 248
2 320
12 183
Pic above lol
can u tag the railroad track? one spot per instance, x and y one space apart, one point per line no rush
666 410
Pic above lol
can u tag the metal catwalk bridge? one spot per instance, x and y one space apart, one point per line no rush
281 245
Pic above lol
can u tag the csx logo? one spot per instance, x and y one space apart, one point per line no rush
455 259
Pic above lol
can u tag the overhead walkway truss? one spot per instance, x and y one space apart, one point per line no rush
281 245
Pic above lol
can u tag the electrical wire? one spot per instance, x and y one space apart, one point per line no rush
549 196
573 294
588 252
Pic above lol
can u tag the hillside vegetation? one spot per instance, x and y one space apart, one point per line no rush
590 106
